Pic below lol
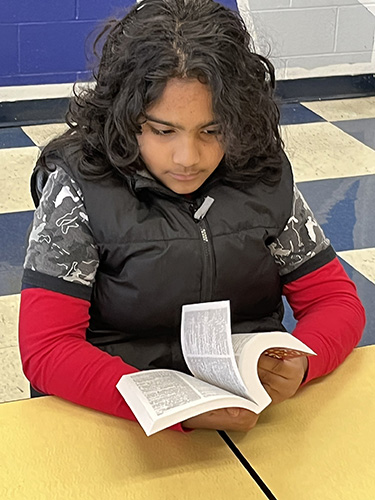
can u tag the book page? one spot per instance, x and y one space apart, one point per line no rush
207 346
239 341
165 390
161 398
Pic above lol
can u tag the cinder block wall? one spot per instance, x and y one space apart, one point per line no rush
309 38
42 41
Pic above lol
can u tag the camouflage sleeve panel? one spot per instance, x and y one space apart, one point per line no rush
302 246
61 254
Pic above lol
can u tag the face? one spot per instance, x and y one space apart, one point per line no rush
180 140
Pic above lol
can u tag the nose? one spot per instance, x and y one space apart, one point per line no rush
186 153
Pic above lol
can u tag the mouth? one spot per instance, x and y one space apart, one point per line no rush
184 177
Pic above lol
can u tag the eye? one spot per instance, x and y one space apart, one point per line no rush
160 132
211 132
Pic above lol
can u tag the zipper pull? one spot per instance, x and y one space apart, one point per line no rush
203 209
204 235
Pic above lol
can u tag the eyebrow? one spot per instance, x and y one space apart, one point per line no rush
174 125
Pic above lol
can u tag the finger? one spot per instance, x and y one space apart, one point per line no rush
274 382
280 372
287 368
279 388
272 365
274 395
222 420
278 393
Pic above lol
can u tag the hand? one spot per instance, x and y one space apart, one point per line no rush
225 419
281 378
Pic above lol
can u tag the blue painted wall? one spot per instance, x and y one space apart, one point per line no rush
43 41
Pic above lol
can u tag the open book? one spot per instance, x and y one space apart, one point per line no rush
224 366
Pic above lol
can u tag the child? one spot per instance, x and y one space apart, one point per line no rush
171 187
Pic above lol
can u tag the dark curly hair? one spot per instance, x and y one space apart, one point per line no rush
156 41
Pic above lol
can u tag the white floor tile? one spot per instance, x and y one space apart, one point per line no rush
362 260
9 310
323 151
343 109
42 134
13 383
15 196
16 163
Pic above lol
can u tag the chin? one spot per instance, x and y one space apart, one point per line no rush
184 189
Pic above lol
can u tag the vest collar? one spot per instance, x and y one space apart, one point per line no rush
144 180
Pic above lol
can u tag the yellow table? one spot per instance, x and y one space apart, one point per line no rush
320 445
52 449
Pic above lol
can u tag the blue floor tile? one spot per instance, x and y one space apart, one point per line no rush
345 209
295 113
366 292
14 137
363 130
289 322
10 281
13 230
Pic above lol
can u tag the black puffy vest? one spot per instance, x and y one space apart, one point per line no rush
155 257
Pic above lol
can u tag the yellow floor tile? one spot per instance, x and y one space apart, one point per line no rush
343 109
362 260
323 151
42 134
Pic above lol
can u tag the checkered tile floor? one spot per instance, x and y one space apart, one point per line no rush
331 145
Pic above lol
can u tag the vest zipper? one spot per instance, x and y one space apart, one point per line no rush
208 268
